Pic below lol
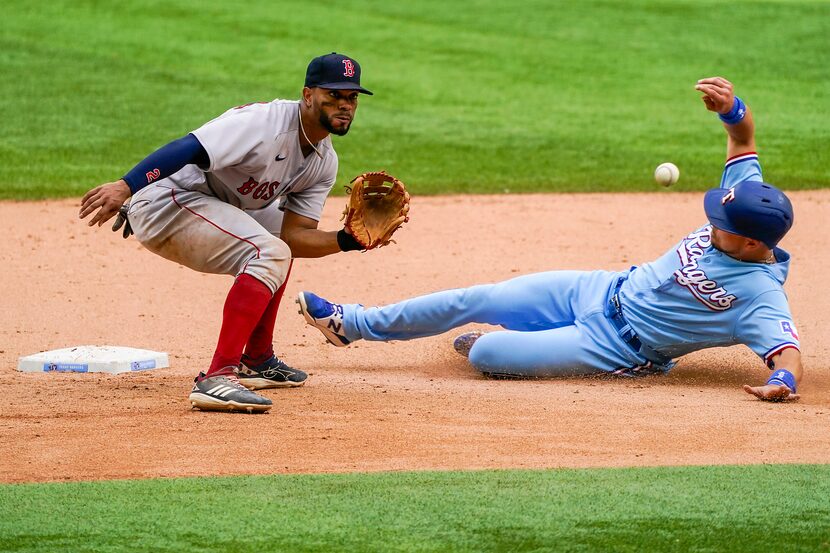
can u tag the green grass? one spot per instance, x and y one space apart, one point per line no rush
752 508
474 96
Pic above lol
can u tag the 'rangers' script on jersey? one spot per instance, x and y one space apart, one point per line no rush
693 277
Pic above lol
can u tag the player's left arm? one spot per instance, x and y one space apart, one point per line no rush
301 212
778 387
305 239
719 97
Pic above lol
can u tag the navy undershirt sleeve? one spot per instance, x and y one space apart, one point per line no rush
167 160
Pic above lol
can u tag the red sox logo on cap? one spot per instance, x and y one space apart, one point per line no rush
335 72
349 68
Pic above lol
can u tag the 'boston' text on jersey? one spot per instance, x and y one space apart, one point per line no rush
258 191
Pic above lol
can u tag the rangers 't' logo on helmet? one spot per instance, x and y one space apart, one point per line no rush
730 196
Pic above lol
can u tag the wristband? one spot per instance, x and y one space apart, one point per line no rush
783 376
347 242
736 114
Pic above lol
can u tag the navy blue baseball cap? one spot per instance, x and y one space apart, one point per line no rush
334 71
753 209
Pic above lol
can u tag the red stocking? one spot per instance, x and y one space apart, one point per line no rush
260 346
246 302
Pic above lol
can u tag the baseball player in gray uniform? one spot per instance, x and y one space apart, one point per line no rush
722 284
242 195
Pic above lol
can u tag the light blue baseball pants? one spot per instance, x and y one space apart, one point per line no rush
555 321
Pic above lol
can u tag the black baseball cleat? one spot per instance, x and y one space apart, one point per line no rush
273 373
463 343
224 393
505 376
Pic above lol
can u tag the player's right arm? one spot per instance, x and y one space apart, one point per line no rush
789 360
719 97
766 326
108 198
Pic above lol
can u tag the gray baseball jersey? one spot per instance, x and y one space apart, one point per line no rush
255 158
226 219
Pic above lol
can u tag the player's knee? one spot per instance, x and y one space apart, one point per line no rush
477 358
486 356
272 263
275 251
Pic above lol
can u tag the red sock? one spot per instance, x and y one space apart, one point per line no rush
260 346
247 300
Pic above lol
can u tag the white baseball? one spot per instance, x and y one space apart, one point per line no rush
667 174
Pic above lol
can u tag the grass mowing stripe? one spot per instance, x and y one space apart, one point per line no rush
482 96
727 508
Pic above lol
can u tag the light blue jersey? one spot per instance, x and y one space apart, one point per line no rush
581 322
696 297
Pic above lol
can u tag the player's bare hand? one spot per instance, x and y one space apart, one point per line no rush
772 392
718 94
107 199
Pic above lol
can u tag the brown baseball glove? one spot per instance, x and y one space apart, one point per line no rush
378 205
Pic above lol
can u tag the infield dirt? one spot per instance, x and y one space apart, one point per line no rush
374 406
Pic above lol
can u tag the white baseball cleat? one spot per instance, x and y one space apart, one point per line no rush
325 316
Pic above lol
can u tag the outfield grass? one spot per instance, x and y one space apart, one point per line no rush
478 96
753 508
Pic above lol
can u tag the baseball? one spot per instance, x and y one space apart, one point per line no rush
667 174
